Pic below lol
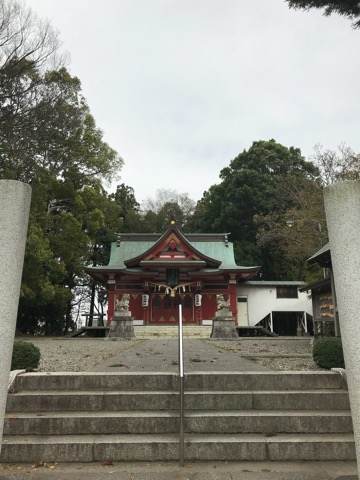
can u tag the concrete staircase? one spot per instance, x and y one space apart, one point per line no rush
255 416
153 331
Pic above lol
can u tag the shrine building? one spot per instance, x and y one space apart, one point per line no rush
161 270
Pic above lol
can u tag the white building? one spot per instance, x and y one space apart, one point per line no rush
277 305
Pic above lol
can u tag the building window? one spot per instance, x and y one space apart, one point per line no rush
242 299
286 292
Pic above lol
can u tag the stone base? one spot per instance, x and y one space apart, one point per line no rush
121 328
224 326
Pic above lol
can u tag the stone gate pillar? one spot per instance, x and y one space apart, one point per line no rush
14 213
342 206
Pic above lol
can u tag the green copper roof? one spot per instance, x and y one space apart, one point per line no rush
126 250
213 249
219 251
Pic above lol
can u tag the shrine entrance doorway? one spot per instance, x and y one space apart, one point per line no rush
165 309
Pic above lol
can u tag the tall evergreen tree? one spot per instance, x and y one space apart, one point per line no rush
346 8
252 185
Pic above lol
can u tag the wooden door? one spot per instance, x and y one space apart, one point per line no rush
165 309
242 312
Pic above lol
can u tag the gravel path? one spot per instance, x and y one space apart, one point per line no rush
96 354
59 354
275 353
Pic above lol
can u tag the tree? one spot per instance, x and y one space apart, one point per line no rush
301 230
334 165
129 217
346 8
28 46
25 37
252 186
49 139
294 235
58 135
168 205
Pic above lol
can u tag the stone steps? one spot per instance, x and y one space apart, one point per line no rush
153 331
52 401
232 416
138 422
203 381
132 448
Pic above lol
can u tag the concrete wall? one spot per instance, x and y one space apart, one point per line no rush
262 300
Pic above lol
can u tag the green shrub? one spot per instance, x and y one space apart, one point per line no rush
328 352
25 356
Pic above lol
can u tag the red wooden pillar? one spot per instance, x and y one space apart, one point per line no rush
111 300
146 308
232 289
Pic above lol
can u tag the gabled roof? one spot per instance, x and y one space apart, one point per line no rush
204 253
176 234
215 246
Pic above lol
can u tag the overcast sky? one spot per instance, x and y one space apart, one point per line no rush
180 87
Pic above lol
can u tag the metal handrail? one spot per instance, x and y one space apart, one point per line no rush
181 388
172 291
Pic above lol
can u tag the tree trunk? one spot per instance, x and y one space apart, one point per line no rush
92 304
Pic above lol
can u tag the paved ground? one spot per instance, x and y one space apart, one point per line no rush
171 471
162 355
89 354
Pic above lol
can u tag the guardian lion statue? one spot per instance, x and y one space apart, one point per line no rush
122 305
221 303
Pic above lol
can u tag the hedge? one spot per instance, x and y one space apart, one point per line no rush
328 352
25 356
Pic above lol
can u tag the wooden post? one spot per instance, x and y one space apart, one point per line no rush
271 322
305 323
111 301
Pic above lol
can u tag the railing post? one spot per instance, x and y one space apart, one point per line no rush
181 380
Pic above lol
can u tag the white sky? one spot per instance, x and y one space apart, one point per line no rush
180 87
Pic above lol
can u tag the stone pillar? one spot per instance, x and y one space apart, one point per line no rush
224 326
122 325
342 206
14 214
224 322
